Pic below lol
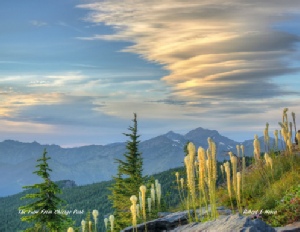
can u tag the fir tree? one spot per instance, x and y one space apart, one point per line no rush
129 178
44 212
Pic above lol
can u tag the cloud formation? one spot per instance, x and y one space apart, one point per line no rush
213 50
37 23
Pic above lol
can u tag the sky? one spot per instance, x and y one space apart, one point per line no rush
73 72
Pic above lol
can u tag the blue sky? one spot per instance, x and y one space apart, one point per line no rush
73 72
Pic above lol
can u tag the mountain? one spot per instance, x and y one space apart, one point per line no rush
95 163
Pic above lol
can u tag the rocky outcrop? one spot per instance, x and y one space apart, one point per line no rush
178 222
167 223
294 227
227 224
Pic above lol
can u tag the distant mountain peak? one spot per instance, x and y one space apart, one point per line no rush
170 132
174 136
201 132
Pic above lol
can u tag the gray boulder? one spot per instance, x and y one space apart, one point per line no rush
167 223
294 227
229 223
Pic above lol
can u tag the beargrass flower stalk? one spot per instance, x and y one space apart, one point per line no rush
143 190
291 131
90 226
95 214
208 169
70 229
243 150
138 210
149 200
268 160
190 175
202 176
156 183
230 155
276 139
243 172
133 207
83 223
266 137
284 135
234 171
256 145
298 138
222 170
182 183
239 180
227 171
140 200
289 145
196 171
177 177
294 121
214 160
213 179
158 194
133 214
105 223
178 186
111 220
284 115
152 191
191 170
238 150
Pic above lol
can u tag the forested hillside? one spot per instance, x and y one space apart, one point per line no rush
83 198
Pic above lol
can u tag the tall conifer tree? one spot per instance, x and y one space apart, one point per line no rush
129 178
44 211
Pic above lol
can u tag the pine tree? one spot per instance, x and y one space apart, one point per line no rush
129 178
44 212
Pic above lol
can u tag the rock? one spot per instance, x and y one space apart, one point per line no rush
294 227
178 222
166 223
163 214
229 223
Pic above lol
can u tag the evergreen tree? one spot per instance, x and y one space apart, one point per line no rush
44 212
129 178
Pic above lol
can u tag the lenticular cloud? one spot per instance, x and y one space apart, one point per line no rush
212 49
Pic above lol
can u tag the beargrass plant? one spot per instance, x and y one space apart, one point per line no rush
83 225
106 223
180 188
212 178
112 221
238 190
266 137
143 190
281 172
276 139
201 178
95 214
256 145
190 172
228 181
133 210
298 139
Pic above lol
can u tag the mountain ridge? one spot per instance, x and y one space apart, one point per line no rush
95 163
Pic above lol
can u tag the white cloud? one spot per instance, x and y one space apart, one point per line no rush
206 45
37 23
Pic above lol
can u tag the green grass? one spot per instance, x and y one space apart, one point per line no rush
265 188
